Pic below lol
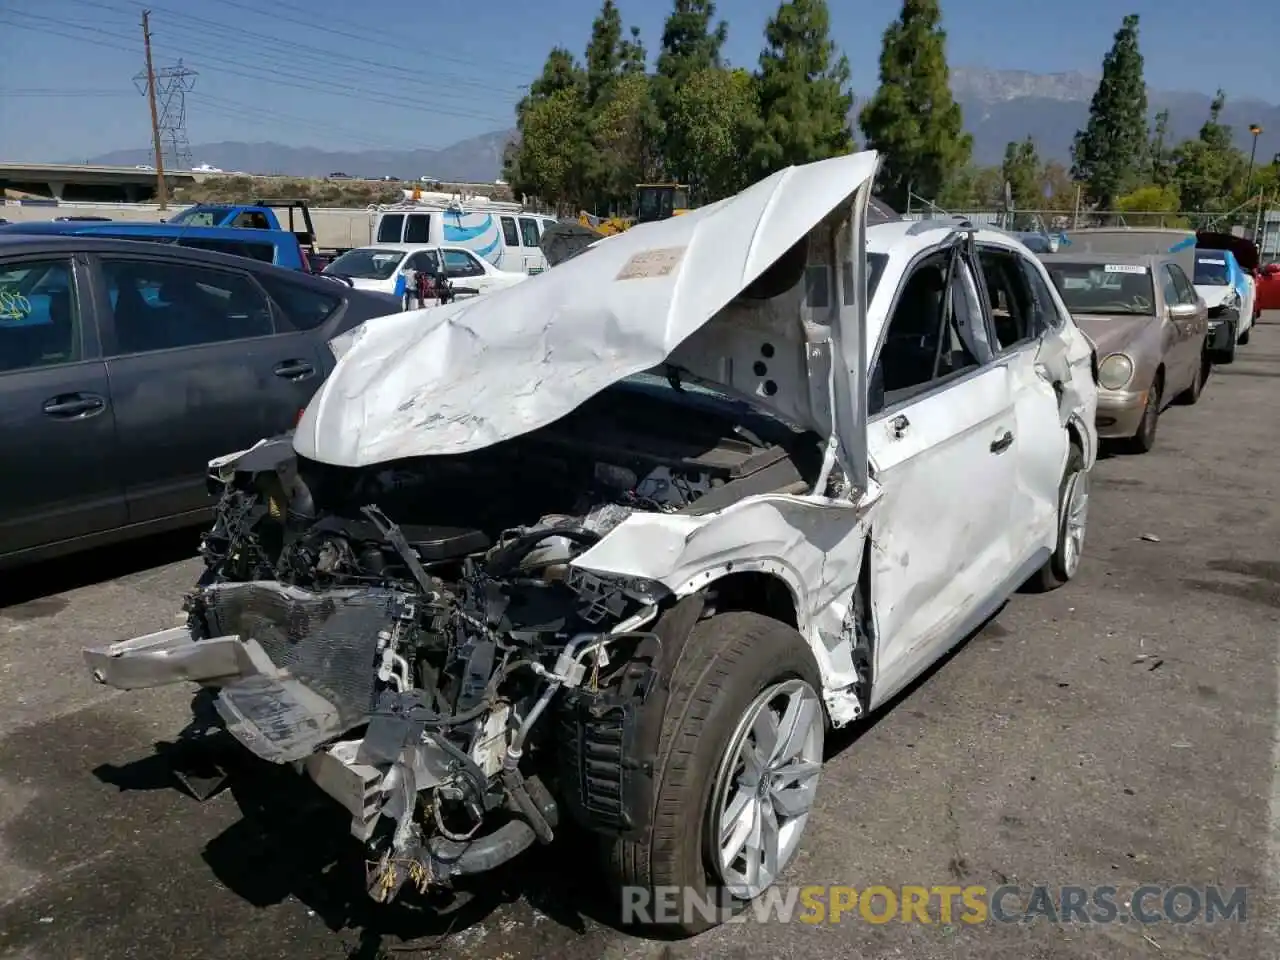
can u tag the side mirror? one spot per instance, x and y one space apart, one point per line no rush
1183 311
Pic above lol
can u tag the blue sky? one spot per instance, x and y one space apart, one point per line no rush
425 73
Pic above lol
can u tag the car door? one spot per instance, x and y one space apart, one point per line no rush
1188 338
465 271
941 431
198 368
60 480
1050 375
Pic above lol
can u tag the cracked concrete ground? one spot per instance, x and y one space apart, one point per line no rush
1119 731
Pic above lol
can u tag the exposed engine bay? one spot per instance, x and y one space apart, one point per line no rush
416 637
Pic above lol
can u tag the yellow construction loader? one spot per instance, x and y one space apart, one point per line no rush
654 201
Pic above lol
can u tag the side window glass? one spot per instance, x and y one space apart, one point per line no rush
529 231
389 228
1011 301
160 306
510 236
459 263
39 315
418 228
1186 292
1169 284
910 348
304 308
1044 310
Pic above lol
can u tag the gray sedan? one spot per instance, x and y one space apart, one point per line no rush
125 367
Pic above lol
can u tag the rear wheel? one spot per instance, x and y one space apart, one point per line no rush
736 773
1244 337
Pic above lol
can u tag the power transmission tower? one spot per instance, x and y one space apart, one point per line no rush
167 88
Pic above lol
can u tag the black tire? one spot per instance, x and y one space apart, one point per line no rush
1058 570
1191 395
1145 438
1228 355
728 661
1243 339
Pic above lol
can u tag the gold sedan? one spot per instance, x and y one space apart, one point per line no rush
1148 327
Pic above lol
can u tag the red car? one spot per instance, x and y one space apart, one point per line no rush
1268 297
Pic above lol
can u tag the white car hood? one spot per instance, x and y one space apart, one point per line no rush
1214 295
460 377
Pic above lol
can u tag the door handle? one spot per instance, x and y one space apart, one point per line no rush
72 406
1003 444
294 369
899 426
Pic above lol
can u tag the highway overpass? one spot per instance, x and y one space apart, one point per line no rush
74 182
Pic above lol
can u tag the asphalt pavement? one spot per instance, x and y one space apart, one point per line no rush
1120 731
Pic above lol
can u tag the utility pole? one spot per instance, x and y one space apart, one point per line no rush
161 192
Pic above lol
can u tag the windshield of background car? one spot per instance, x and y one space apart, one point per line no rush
1212 272
1104 288
367 263
202 216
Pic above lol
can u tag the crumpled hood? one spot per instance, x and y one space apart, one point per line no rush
1111 334
1213 294
460 377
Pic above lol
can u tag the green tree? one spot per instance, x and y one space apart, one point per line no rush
1021 170
552 160
604 51
1160 152
1109 154
551 156
622 141
803 91
1209 168
1151 206
689 41
971 187
706 128
634 55
913 120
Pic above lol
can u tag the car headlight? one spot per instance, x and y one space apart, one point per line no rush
1115 371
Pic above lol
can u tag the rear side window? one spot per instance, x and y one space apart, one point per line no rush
304 308
163 305
417 229
263 252
529 231
39 315
389 228
510 236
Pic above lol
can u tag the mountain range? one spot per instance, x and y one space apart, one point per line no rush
999 106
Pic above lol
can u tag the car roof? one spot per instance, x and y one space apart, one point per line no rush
88 229
909 237
17 244
1085 256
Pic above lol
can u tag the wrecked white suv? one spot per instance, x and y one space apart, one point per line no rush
618 545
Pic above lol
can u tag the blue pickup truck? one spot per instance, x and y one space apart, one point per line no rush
279 247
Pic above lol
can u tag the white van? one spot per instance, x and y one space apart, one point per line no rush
502 233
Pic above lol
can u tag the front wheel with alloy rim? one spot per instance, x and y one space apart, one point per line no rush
1145 438
1073 521
736 773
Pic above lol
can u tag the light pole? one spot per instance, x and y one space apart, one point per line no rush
1255 130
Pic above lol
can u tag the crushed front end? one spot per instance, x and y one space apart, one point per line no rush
456 688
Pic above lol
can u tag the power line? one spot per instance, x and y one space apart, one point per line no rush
270 75
67 92
402 74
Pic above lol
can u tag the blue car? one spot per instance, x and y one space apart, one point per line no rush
1228 292
279 247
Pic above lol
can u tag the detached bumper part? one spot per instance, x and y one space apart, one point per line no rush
170 656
